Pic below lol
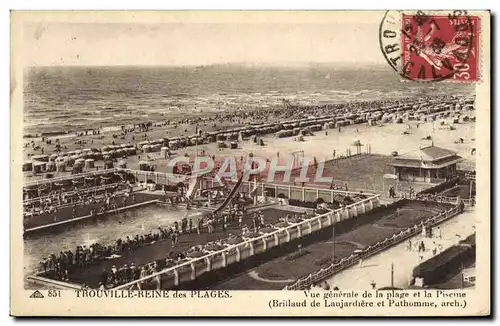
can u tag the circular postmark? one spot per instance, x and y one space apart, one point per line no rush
430 46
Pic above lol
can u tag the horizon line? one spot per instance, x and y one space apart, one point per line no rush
232 63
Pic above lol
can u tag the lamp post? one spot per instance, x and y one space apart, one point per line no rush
392 275
333 241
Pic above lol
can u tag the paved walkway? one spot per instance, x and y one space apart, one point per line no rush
378 268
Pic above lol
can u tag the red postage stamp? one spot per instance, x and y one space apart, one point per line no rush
440 47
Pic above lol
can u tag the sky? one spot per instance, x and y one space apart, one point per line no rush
327 38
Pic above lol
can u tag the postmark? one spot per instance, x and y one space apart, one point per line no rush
432 46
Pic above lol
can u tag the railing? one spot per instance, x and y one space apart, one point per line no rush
344 263
72 220
262 189
172 179
246 243
453 200
72 192
450 200
79 202
70 177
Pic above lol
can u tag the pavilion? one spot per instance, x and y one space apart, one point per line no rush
428 164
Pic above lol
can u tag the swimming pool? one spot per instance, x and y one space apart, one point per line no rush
104 230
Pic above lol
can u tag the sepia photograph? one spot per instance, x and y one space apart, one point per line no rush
199 155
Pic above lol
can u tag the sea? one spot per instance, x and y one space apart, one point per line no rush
68 99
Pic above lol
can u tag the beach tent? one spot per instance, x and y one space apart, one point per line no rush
80 161
221 137
50 167
281 134
316 127
60 167
131 151
27 166
122 164
53 157
146 149
174 144
89 163
120 152
39 167
108 164
97 156
77 169
143 166
40 158
69 161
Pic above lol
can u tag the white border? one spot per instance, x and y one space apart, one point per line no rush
191 4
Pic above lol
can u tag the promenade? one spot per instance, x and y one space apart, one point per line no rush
377 269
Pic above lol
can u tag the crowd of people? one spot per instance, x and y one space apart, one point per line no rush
61 266
285 111
110 195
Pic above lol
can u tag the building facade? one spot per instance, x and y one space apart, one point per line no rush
428 164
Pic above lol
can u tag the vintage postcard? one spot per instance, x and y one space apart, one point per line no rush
250 163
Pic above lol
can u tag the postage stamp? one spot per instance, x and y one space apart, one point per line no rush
435 46
242 164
